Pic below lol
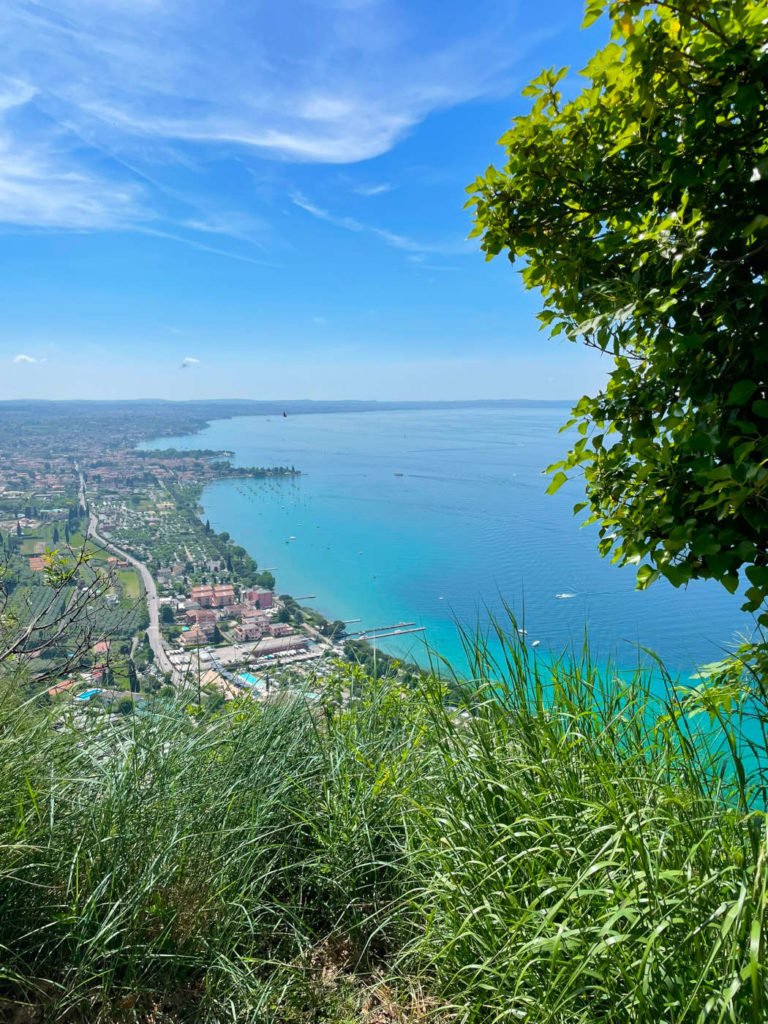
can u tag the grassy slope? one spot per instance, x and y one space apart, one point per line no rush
576 864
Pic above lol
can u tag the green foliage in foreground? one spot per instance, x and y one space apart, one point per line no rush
564 853
639 209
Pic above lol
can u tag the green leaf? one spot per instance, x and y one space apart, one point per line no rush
557 482
740 392
754 596
645 576
757 574
591 15
758 223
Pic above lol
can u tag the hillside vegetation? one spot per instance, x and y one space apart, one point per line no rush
559 849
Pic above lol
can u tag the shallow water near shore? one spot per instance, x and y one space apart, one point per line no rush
432 516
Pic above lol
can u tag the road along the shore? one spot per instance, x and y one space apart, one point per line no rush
154 635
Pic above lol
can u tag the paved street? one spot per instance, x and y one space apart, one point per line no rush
153 632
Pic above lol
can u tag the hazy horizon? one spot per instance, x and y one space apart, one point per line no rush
296 401
570 372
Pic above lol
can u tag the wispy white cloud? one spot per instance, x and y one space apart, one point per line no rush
104 99
242 226
202 247
188 361
373 190
411 245
348 223
22 358
42 184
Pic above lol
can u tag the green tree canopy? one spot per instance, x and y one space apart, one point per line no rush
639 209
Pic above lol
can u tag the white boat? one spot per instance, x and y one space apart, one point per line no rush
535 643
523 632
564 597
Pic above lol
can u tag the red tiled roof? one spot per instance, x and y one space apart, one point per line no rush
61 687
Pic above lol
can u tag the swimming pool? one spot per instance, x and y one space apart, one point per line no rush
87 694
248 679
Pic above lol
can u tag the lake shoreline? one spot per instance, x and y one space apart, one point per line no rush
426 516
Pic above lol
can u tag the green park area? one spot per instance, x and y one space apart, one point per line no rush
129 584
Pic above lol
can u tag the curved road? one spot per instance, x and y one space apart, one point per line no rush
153 632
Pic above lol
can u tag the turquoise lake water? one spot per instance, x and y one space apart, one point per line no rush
426 516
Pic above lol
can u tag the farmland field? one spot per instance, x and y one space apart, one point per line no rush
129 583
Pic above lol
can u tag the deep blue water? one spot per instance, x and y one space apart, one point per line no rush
467 526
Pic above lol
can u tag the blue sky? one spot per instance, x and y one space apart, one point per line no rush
256 199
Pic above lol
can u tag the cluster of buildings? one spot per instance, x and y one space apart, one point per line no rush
208 604
130 471
213 595
28 476
115 514
100 669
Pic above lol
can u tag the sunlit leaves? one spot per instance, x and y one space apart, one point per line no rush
638 208
557 482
